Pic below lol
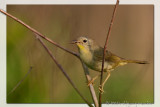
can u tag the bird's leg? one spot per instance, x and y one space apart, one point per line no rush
92 80
101 86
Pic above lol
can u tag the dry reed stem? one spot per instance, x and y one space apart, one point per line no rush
36 32
104 52
94 97
60 67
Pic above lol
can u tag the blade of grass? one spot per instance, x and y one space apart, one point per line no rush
20 81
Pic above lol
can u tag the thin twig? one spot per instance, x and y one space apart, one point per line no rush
92 91
60 67
20 81
36 32
104 52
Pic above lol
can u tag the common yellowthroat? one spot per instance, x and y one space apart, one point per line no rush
91 54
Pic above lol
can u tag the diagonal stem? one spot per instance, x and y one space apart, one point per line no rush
60 67
20 81
36 32
105 48
92 91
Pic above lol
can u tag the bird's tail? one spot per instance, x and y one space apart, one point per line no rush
136 61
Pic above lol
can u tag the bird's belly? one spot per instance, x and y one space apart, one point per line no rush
92 64
97 66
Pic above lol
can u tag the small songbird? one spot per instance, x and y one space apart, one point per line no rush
91 54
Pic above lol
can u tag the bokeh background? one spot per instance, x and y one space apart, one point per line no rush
131 38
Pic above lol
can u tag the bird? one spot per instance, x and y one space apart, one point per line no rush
91 55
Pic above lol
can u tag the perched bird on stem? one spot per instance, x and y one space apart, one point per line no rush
91 54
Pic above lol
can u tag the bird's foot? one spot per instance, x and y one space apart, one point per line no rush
101 89
90 82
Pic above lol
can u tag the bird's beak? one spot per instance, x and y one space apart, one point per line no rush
74 42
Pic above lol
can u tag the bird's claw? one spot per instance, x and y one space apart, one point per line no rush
90 82
101 89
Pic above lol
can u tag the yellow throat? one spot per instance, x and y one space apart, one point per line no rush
85 53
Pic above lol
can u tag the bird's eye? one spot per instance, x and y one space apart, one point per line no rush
85 41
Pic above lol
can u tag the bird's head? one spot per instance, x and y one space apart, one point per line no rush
85 44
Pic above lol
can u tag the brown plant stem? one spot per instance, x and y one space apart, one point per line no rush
105 48
94 97
60 67
36 32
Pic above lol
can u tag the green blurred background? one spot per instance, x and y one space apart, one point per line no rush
131 38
